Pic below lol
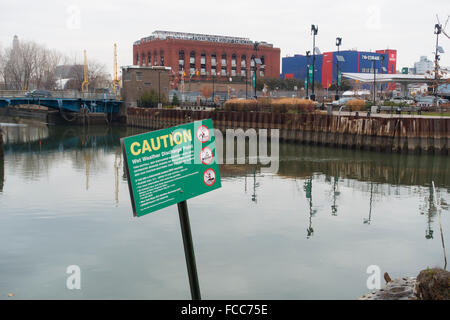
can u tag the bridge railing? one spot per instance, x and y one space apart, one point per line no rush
65 94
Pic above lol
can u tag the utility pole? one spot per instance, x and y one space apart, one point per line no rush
437 32
314 31
338 44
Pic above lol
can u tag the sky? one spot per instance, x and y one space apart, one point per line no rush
95 25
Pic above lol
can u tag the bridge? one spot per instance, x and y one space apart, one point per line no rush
65 102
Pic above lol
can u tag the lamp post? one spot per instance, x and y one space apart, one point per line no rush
246 85
255 47
308 54
338 44
159 87
381 70
314 31
374 80
213 94
437 32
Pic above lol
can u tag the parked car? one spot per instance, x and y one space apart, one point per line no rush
38 94
401 100
342 101
428 101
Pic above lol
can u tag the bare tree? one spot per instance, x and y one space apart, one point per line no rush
29 65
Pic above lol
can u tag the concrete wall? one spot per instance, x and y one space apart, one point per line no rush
394 134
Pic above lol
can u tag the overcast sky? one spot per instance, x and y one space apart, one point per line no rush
95 25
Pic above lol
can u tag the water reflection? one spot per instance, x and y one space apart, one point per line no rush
307 224
36 149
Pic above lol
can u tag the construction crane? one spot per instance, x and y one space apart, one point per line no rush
85 84
116 83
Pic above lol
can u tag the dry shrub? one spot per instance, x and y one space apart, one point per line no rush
283 105
356 105
292 105
241 105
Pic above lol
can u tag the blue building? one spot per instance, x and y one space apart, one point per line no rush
326 65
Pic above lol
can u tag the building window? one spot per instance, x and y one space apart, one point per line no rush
161 57
243 72
155 58
149 59
138 76
243 61
181 61
224 60
192 63
213 60
203 59
137 59
233 60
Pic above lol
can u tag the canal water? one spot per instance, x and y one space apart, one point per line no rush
308 232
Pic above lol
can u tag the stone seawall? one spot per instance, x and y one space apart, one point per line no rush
388 134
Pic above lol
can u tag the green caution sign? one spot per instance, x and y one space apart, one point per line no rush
169 166
254 80
339 78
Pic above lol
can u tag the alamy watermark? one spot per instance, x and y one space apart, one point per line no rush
241 147
374 280
73 281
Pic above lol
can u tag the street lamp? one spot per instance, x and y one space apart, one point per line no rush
308 54
437 32
382 70
338 44
255 47
314 31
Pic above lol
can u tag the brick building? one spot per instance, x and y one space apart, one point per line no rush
200 57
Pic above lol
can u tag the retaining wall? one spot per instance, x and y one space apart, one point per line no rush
389 134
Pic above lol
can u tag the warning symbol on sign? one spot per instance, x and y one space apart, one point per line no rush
203 134
209 177
206 156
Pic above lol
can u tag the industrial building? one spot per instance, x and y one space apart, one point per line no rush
137 80
423 66
384 61
201 57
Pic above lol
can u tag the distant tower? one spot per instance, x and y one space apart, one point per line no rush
15 42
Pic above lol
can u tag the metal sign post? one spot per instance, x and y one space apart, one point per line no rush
168 167
189 250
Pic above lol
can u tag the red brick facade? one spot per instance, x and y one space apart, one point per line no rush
169 50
